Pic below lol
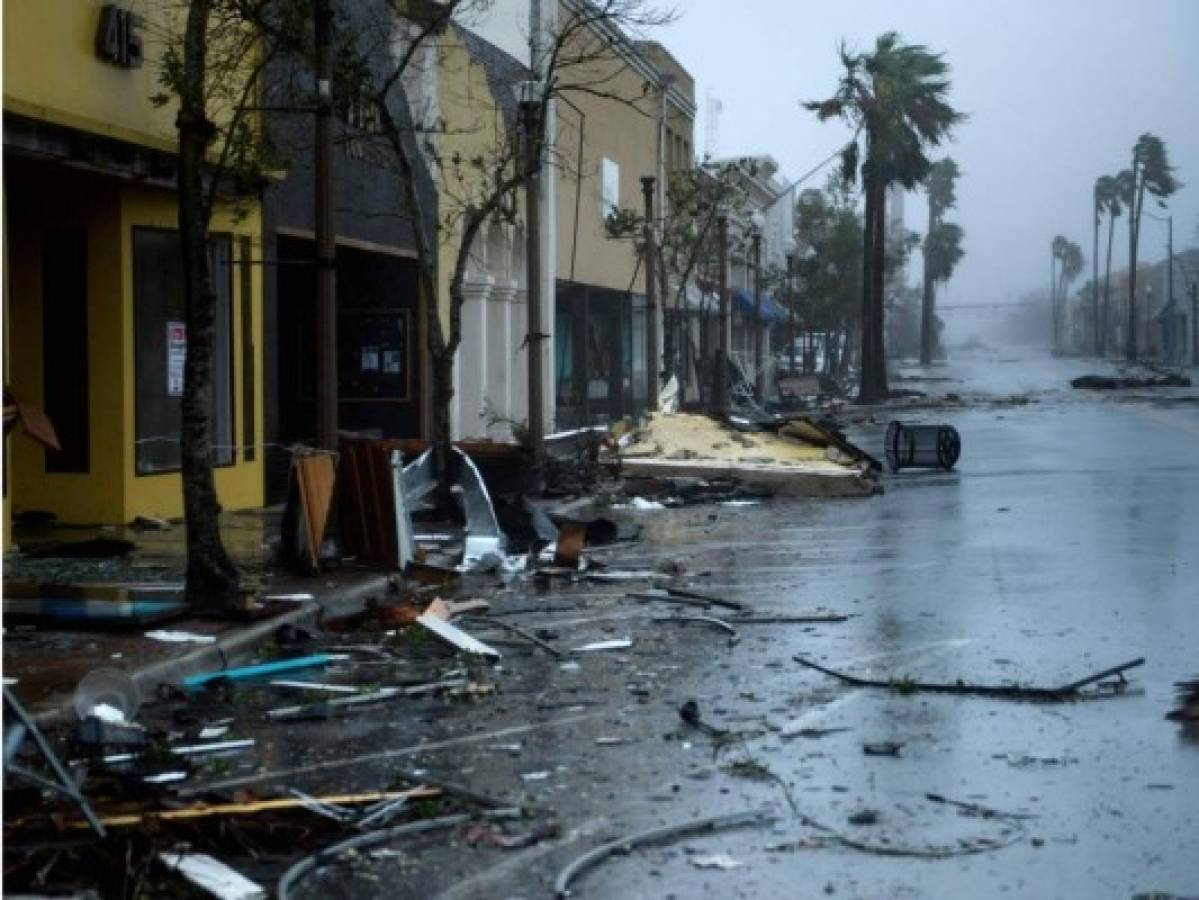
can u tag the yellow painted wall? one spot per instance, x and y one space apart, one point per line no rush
475 129
52 72
41 195
239 486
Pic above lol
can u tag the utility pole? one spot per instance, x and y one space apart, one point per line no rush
1097 338
721 375
530 110
326 247
759 356
791 306
1195 323
651 295
1170 281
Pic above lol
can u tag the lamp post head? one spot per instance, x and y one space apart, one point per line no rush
757 222
529 94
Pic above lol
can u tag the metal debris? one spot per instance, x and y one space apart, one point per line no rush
593 858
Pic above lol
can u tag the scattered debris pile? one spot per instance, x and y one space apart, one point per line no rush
1111 383
796 457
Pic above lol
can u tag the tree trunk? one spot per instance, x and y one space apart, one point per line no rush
1134 227
926 307
874 362
866 375
213 580
1107 279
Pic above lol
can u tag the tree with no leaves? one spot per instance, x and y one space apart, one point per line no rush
213 72
896 99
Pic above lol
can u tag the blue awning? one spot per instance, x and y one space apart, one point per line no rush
772 313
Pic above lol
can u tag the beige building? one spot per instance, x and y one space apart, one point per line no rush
630 115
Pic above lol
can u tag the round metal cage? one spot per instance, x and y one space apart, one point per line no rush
921 446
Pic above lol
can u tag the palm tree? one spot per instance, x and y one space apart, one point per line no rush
1103 194
1110 192
1120 200
940 187
1071 265
895 98
1151 172
1057 250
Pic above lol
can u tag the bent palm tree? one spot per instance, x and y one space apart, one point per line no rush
1057 250
1072 262
1151 173
895 99
1103 194
940 187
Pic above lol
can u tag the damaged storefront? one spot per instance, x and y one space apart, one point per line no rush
599 375
95 332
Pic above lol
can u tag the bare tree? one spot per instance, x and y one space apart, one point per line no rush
212 70
578 57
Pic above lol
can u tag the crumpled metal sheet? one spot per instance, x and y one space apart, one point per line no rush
420 478
485 542
405 543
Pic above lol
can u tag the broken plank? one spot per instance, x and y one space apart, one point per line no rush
212 876
253 807
454 635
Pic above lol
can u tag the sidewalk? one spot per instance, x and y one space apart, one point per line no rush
47 664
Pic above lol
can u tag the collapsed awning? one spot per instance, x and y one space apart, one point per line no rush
772 312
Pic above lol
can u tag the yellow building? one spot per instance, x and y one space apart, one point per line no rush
477 84
93 309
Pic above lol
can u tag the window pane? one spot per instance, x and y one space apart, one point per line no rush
161 336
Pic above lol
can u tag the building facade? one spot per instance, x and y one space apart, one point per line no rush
94 327
639 123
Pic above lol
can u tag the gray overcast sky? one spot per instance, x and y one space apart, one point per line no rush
1057 92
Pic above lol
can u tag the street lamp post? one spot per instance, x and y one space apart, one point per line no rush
651 293
325 240
530 116
1195 323
721 375
790 249
756 223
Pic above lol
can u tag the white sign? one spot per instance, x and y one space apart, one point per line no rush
176 357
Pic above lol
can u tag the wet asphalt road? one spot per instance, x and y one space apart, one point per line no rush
1066 541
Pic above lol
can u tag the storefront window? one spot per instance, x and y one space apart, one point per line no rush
161 344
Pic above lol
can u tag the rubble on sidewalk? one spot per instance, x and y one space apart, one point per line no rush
797 459
1114 383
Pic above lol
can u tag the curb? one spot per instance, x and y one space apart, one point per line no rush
781 480
227 650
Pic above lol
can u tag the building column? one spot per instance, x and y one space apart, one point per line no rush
500 372
471 359
517 358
